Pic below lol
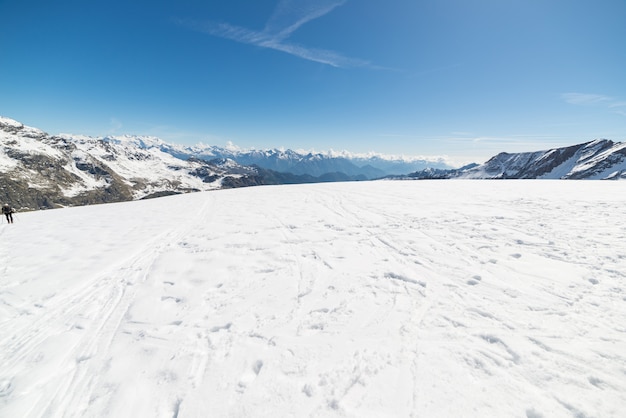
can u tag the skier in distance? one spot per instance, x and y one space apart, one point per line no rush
8 211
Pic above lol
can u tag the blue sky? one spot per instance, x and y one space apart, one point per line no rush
461 78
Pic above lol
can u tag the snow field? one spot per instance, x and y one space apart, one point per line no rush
421 298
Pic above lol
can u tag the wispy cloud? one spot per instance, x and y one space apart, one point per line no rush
288 17
584 99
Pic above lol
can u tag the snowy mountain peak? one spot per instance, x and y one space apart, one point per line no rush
598 159
143 142
8 122
594 160
38 170
9 125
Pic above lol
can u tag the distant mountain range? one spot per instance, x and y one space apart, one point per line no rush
311 164
601 159
39 171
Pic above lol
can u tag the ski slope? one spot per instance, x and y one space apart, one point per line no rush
374 299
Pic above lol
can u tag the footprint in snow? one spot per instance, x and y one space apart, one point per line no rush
221 327
474 280
175 299
6 387
250 375
532 413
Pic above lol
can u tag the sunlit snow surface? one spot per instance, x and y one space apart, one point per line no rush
376 299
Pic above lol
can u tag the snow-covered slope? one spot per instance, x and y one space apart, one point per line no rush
373 299
38 170
599 159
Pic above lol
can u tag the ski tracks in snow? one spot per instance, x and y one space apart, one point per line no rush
65 343
356 299
347 274
513 280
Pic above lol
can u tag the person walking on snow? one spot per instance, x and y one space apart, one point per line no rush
8 211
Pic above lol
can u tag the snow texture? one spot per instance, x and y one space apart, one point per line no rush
425 299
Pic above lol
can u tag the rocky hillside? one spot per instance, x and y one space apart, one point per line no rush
39 171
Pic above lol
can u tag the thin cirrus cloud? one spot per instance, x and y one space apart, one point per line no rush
584 99
288 17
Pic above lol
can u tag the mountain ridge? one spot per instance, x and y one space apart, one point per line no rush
309 162
600 159
40 171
